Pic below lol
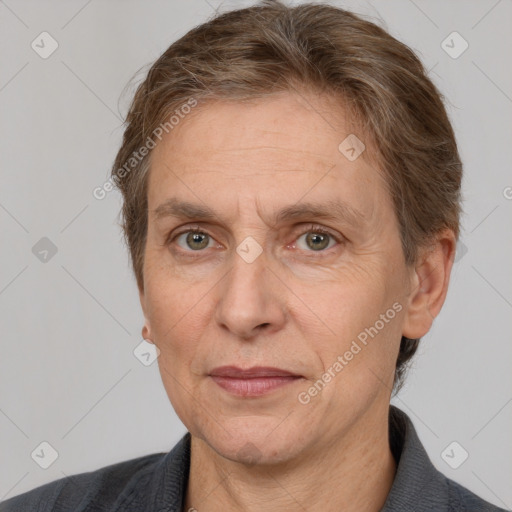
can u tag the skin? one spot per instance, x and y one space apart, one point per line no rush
294 307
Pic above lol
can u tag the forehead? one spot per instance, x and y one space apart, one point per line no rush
295 125
283 147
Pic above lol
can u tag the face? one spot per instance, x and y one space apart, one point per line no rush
268 280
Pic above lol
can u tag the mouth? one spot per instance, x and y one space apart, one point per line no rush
252 382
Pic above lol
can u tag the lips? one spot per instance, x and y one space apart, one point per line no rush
252 382
250 373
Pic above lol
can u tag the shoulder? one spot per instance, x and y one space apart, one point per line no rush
462 499
93 490
418 484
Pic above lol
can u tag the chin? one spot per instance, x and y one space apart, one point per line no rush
258 444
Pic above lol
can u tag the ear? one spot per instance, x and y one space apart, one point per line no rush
430 279
146 331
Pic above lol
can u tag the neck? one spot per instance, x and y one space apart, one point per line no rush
353 474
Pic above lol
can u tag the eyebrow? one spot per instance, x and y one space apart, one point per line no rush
328 210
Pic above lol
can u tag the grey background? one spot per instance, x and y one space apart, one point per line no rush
68 374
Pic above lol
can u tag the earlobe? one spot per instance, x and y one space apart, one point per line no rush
430 285
146 332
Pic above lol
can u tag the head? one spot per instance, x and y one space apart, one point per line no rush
259 120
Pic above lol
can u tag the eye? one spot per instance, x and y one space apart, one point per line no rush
195 239
317 239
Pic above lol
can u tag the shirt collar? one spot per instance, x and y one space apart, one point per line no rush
417 484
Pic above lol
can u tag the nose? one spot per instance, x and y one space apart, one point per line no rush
251 299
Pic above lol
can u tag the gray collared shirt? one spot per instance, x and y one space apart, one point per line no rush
158 483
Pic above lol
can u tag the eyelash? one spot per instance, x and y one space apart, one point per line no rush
311 229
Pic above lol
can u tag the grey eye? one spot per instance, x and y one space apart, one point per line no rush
196 240
316 241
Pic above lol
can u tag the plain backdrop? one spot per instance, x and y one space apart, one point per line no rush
69 325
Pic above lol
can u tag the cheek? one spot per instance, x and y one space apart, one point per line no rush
177 319
355 314
169 306
341 301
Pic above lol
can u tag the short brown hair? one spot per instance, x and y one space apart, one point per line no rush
270 47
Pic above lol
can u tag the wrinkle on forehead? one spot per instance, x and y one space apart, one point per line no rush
236 150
